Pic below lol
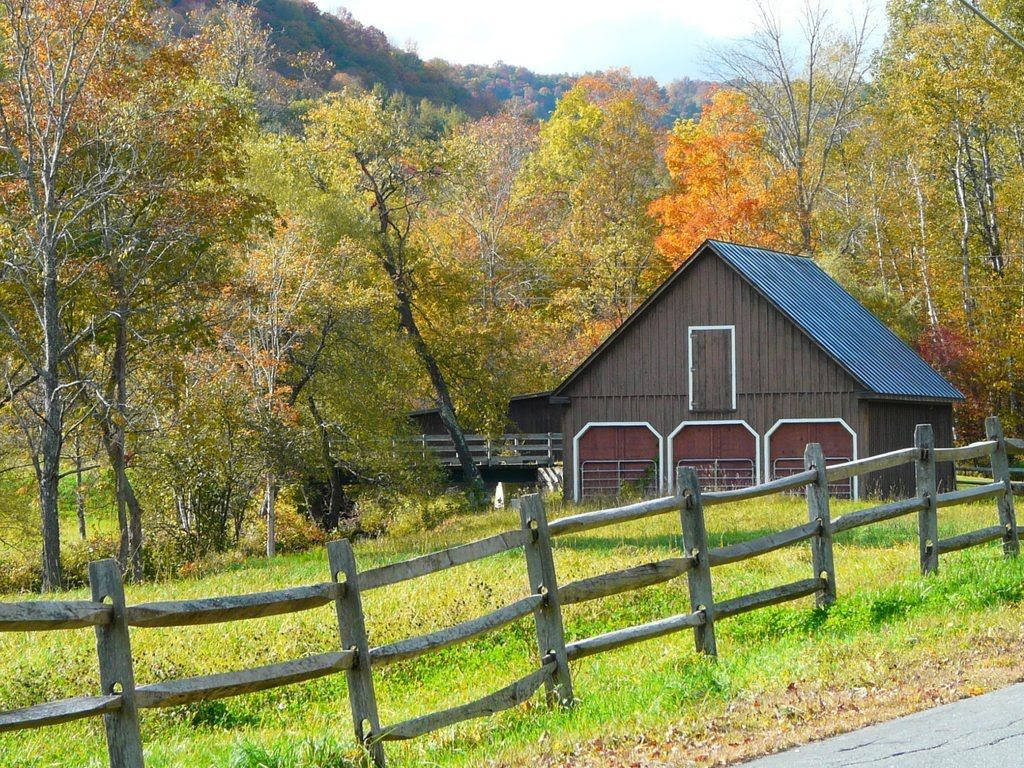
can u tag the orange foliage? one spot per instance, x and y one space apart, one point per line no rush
723 187
617 84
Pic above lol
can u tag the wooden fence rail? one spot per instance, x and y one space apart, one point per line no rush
119 699
542 449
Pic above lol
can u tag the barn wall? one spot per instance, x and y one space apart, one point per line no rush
890 427
535 415
780 372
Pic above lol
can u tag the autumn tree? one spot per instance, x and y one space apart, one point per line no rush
722 185
806 101
279 303
161 242
237 47
61 64
374 153
346 376
937 171
489 273
597 168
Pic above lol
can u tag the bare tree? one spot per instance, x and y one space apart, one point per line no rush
52 53
807 98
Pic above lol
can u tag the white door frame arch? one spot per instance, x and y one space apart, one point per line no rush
670 480
576 488
823 420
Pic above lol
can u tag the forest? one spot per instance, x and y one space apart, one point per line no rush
224 286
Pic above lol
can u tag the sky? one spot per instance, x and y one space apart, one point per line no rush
664 39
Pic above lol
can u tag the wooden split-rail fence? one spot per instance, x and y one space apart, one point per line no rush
120 699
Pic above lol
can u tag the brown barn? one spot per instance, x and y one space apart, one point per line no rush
732 365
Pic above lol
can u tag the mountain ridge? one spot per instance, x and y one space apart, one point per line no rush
362 53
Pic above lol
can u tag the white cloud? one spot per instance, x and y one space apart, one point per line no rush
662 38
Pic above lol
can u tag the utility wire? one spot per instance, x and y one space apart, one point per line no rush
988 20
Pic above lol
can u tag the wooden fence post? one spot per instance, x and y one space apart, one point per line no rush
817 509
927 518
352 627
1001 471
695 540
117 674
540 567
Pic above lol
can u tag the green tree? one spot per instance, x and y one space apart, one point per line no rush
372 153
597 169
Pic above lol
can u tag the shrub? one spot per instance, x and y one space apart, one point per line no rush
77 556
398 514
24 576
295 531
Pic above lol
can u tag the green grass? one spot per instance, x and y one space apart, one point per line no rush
886 615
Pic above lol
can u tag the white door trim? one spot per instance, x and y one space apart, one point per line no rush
670 461
576 450
833 420
689 358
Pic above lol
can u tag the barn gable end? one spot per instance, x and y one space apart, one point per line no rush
643 358
788 382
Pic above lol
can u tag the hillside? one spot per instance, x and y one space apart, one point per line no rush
357 52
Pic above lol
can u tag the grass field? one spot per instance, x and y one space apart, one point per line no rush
894 642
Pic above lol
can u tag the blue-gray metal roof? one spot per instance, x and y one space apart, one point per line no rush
837 322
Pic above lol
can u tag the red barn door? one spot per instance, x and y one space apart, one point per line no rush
612 459
724 454
788 439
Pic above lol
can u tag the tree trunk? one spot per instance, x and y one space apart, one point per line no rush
52 427
470 472
79 493
270 507
128 503
992 220
933 313
965 235
333 505
114 423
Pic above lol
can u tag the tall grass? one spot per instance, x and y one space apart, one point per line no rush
886 611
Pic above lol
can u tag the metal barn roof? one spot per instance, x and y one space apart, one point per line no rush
839 323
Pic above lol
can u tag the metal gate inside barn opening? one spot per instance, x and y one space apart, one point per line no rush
617 459
724 454
787 440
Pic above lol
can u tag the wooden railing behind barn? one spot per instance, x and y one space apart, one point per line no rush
540 449
119 699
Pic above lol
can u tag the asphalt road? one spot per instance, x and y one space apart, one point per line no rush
981 732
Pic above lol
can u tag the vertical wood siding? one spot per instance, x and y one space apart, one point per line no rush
890 425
